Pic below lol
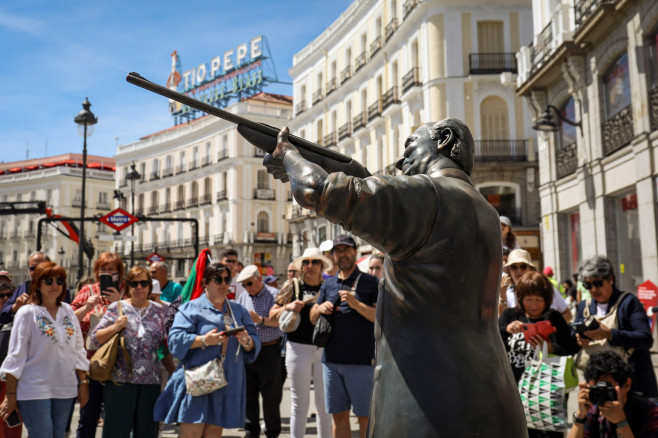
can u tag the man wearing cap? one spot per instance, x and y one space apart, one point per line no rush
230 259
264 374
169 290
518 263
440 360
548 272
350 354
22 292
5 277
327 248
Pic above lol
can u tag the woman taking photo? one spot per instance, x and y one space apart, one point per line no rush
629 332
46 364
130 396
303 359
88 303
197 338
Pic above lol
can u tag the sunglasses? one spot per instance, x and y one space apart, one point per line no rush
314 262
588 285
5 295
49 281
521 266
231 261
143 283
218 280
248 284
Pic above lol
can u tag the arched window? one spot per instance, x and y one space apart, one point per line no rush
263 222
568 132
617 86
494 123
566 156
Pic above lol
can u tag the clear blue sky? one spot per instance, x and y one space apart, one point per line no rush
53 54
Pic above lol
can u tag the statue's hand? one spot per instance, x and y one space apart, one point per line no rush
274 161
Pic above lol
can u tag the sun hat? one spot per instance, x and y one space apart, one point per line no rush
327 246
505 220
519 256
156 288
344 239
248 272
313 254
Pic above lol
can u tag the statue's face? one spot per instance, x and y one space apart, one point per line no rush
419 151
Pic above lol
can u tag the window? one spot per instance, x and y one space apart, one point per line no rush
617 86
263 180
207 186
493 119
263 222
629 256
490 37
168 162
653 56
102 197
195 189
154 198
181 193
504 198
568 132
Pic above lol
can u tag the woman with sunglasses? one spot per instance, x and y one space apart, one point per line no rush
303 359
196 338
46 365
130 396
630 329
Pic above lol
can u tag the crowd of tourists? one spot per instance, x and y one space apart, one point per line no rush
209 362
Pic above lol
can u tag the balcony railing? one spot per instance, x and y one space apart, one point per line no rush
165 208
330 139
179 205
205 161
153 210
267 194
409 6
205 199
194 164
192 202
543 48
391 27
375 110
103 205
219 238
618 131
346 74
566 160
167 172
500 150
154 176
653 107
390 97
258 153
222 196
360 61
411 79
317 96
359 121
222 155
375 46
300 107
345 131
492 63
585 8
331 86
180 169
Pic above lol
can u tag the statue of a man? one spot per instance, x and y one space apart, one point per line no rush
441 368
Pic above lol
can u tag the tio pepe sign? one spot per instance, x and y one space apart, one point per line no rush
647 293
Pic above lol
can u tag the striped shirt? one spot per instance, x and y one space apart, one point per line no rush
261 303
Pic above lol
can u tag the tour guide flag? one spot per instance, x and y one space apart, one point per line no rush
193 287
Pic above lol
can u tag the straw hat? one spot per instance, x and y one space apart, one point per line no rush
313 254
519 256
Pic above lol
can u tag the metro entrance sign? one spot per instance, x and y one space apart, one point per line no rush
118 219
155 257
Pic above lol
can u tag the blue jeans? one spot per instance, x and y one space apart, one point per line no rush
46 418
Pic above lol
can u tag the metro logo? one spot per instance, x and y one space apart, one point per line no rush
118 219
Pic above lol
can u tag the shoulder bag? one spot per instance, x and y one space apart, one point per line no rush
104 359
324 326
289 319
610 320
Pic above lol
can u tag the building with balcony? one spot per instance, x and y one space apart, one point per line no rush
386 66
596 63
204 169
56 180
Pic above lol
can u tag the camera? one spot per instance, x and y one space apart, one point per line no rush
602 392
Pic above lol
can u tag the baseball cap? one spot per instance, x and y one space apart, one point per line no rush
548 271
270 279
5 274
344 239
505 220
248 272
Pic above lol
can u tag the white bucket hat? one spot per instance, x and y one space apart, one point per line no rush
519 256
313 254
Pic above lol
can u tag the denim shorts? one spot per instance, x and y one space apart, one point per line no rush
46 418
348 386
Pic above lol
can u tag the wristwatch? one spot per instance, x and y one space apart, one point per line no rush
84 381
262 321
203 343
577 419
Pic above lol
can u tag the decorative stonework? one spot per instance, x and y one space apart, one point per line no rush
573 71
566 160
618 131
653 107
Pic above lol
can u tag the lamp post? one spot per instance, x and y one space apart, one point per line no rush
546 122
86 121
133 176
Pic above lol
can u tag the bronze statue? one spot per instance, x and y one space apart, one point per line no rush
441 368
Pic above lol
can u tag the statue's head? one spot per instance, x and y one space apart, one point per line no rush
448 139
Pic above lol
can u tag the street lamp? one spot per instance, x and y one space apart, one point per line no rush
547 123
86 121
133 176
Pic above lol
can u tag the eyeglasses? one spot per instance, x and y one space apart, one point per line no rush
49 281
521 266
314 262
143 283
588 285
5 295
248 284
218 280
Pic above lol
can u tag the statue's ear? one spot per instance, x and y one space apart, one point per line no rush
446 137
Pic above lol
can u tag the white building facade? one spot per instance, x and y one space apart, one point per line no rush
596 62
204 169
386 66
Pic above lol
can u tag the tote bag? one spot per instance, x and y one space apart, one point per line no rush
543 388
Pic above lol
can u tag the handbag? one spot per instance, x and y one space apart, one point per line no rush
206 378
610 320
94 319
324 325
104 359
289 320
543 387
